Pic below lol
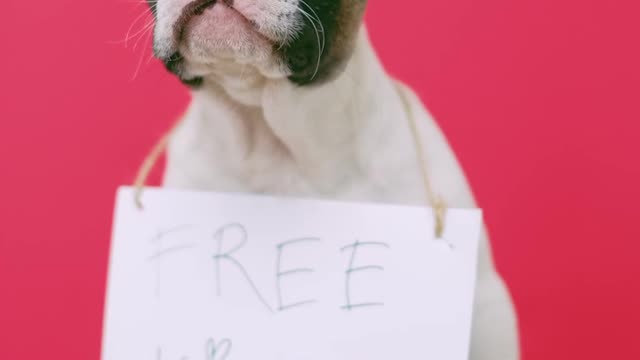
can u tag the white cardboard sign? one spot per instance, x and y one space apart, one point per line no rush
206 276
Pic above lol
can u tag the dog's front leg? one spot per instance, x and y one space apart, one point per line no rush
494 333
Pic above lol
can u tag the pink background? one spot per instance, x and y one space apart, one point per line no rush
540 99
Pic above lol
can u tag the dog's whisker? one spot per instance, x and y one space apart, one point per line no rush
140 34
322 31
315 15
149 59
128 35
144 32
320 45
320 23
142 55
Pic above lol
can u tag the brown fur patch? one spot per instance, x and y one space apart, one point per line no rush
341 20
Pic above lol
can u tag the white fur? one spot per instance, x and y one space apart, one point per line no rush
264 14
348 139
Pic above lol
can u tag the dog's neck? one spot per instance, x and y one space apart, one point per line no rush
327 130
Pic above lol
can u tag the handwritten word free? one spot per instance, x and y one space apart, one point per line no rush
218 276
226 244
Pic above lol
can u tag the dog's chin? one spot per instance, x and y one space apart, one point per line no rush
222 42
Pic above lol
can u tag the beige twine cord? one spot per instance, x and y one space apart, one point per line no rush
149 163
436 202
438 205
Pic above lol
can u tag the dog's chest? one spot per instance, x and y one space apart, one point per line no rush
278 174
221 148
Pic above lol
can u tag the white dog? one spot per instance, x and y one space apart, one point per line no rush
289 98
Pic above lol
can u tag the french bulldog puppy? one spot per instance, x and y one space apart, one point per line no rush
289 98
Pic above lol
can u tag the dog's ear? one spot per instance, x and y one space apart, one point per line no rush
326 42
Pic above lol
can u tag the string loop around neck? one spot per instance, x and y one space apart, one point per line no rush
149 163
436 202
